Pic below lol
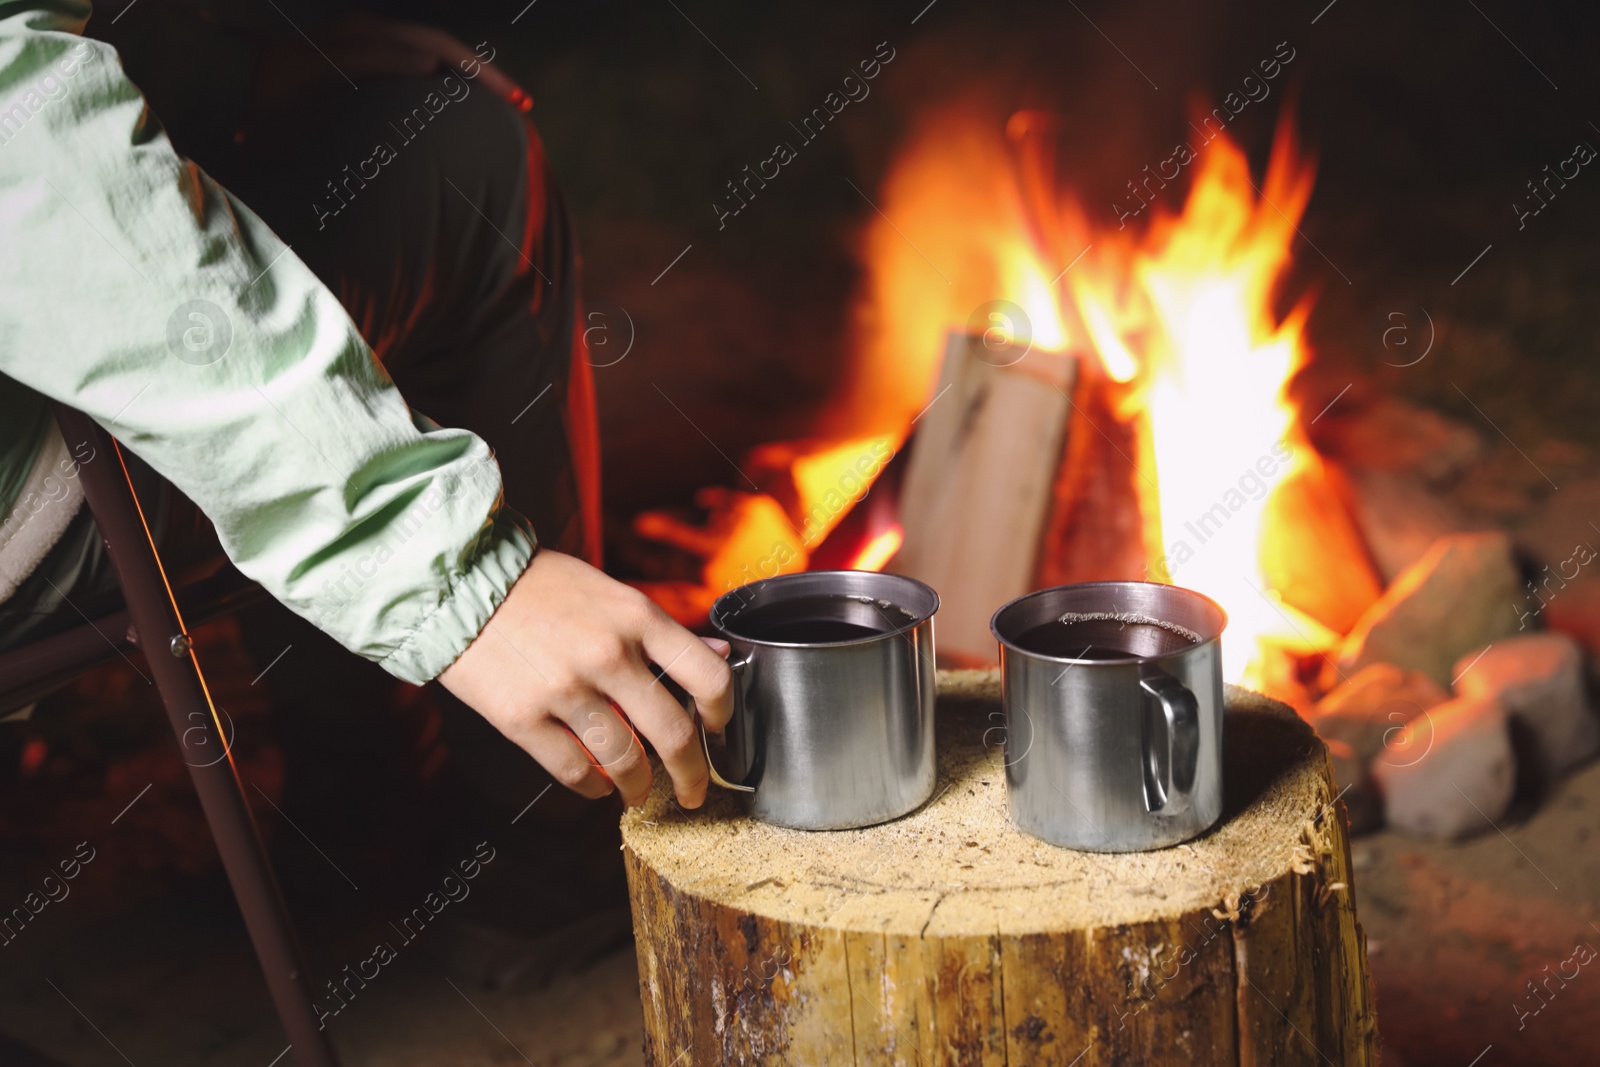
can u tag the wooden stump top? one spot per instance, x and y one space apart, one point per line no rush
956 867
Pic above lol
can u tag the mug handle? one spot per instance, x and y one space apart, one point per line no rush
737 666
1172 793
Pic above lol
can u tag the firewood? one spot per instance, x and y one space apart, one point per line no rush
979 485
1096 531
948 937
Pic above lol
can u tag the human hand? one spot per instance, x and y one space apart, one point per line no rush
363 45
562 669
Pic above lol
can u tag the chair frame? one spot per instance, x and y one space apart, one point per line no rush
153 622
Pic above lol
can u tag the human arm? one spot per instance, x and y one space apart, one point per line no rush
136 289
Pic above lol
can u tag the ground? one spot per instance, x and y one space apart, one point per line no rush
1455 931
175 984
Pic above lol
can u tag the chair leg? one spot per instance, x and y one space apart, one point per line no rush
165 643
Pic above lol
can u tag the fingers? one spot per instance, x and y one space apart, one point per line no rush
669 728
691 663
558 751
595 640
613 748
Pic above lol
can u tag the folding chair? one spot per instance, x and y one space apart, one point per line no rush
153 622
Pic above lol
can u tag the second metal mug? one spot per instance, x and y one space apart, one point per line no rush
833 716
1115 747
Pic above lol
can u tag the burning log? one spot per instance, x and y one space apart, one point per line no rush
979 483
1095 531
950 937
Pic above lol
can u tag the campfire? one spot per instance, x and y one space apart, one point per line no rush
1183 441
1148 426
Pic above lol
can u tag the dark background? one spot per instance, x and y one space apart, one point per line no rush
1426 122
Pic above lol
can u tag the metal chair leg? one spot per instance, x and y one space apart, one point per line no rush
155 619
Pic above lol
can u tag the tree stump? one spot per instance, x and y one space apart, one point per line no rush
949 937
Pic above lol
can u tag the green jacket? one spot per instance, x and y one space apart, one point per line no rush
136 289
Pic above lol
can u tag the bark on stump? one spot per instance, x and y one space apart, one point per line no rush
948 937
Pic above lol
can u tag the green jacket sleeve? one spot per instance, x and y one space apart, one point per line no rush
138 290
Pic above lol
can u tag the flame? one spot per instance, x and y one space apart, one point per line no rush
832 478
1217 363
747 537
879 551
1119 363
967 245
1178 322
1044 326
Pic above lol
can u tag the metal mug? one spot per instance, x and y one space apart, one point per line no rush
1116 747
832 724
